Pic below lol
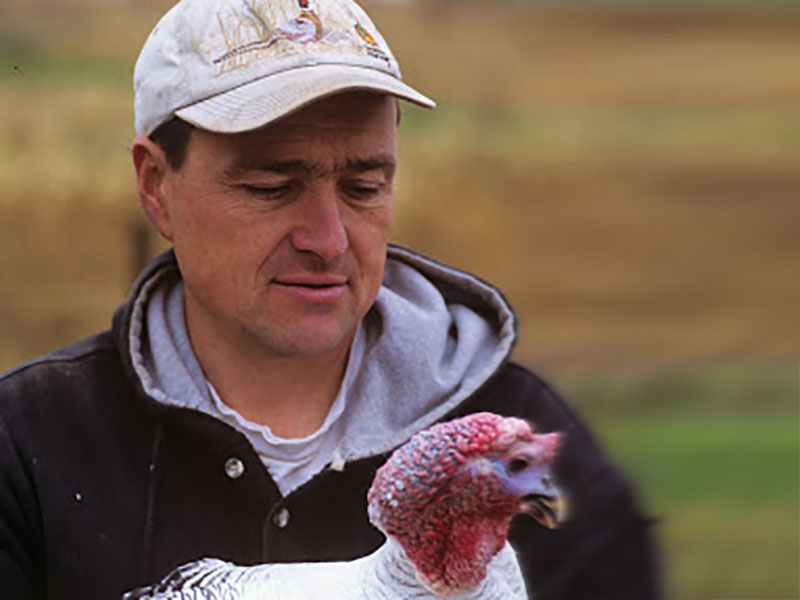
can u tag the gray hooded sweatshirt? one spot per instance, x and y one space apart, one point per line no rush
433 336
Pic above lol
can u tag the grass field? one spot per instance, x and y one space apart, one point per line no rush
628 173
716 455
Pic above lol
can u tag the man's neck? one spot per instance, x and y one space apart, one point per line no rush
290 395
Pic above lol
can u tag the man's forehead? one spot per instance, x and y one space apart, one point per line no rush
350 110
349 130
345 102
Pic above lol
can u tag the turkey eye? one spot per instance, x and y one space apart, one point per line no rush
515 465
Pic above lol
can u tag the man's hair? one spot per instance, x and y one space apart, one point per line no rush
173 138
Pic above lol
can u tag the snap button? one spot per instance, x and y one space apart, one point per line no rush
234 468
281 518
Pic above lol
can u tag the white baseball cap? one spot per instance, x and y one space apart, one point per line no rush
235 65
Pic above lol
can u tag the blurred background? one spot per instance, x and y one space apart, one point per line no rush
628 172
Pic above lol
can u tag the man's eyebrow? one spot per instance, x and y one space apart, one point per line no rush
381 161
358 165
278 166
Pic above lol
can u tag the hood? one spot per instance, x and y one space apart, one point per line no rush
433 337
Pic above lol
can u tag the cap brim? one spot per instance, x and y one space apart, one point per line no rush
261 101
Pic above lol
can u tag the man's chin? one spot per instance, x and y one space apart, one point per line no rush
312 339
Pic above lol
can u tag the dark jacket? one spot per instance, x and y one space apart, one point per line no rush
103 489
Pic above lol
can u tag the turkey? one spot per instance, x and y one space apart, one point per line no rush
444 500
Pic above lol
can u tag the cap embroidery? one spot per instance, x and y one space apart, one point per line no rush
372 48
365 35
304 28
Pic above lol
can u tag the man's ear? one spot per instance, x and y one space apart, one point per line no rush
152 174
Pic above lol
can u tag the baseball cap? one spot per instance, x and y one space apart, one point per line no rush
235 65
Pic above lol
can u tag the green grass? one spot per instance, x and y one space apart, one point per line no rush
689 456
715 455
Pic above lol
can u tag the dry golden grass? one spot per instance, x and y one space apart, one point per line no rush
628 177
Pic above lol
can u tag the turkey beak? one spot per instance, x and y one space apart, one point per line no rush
548 509
543 500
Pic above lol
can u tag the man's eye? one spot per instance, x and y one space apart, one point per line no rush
361 191
268 191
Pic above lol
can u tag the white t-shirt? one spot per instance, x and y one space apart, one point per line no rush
293 461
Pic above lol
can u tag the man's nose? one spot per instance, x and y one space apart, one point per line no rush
321 229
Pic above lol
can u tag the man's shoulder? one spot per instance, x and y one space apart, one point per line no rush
70 369
517 390
73 353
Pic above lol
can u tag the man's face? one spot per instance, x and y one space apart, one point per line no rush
281 232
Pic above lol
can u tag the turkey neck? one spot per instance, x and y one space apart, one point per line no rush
449 549
392 575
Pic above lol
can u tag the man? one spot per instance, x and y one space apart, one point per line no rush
261 372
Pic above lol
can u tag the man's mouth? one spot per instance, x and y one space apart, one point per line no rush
313 283
309 285
313 288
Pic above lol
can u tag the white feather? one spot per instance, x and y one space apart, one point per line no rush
386 574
